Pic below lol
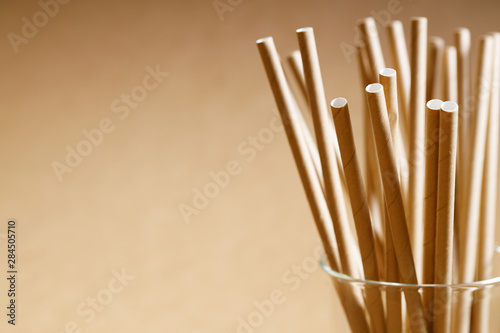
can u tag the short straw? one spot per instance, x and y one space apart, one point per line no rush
450 89
469 221
394 199
374 190
351 302
360 210
417 136
434 60
402 65
487 216
448 128
324 138
430 199
371 40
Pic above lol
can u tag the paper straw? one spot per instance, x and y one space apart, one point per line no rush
370 37
402 65
394 199
417 136
462 44
388 79
434 60
468 241
450 88
430 199
360 210
448 137
487 217
374 192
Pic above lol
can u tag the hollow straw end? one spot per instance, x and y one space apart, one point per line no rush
389 72
264 40
374 88
449 106
338 103
434 104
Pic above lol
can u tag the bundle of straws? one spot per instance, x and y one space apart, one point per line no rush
426 214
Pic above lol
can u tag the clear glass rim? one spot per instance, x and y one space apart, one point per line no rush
349 279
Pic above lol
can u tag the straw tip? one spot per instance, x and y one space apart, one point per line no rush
374 88
418 19
434 104
436 40
338 102
305 29
264 39
388 72
366 20
462 30
494 34
449 106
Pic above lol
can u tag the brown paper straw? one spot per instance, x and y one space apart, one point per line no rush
448 128
450 92
324 138
370 37
462 44
374 191
313 149
288 111
360 210
394 199
472 196
430 199
417 136
487 217
388 79
295 63
394 315
434 60
393 295
402 65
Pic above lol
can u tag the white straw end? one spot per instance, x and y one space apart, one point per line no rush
374 87
434 104
388 72
264 39
449 106
339 102
306 29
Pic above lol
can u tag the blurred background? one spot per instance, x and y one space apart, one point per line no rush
141 160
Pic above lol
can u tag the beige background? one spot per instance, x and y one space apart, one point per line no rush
119 209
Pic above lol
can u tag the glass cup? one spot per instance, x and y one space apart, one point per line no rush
466 307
